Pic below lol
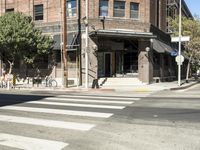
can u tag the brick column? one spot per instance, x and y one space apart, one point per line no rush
31 12
3 6
110 8
145 64
127 9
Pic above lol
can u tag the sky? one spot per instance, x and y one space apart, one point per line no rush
193 5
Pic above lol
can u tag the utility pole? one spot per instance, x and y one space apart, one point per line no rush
86 45
65 66
80 44
179 50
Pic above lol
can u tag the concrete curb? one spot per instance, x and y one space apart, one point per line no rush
184 87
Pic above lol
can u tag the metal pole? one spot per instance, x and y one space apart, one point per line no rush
179 51
86 45
65 44
61 46
80 43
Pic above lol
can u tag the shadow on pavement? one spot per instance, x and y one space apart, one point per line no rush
12 99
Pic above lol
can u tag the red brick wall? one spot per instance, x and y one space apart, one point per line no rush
52 11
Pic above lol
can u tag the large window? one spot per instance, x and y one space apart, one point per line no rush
103 8
38 12
71 8
119 9
134 8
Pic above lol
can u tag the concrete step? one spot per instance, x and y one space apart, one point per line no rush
109 82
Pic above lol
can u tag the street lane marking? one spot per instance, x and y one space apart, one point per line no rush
76 105
92 101
47 123
99 97
28 143
59 111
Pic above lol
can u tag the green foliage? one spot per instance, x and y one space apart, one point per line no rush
190 27
20 39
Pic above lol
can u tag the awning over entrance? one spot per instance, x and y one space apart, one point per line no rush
161 47
121 33
71 41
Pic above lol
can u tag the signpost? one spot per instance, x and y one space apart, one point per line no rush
174 53
183 39
180 59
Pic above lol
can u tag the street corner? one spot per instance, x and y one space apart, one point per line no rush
185 86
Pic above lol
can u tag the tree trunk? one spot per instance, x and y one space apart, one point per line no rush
188 68
10 66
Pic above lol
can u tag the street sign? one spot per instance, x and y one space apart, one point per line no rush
183 39
174 53
179 59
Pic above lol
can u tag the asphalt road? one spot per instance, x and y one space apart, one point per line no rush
166 120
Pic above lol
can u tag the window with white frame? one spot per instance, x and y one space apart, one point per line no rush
38 12
71 8
119 9
134 8
103 8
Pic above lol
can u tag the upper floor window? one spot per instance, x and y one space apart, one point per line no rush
38 12
71 8
10 10
134 8
103 8
119 9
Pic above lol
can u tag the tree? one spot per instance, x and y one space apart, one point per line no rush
20 39
190 27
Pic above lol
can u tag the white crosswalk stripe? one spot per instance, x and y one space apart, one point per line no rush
90 101
58 111
28 143
47 123
100 97
77 105
85 102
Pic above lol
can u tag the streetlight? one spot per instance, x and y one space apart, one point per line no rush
179 48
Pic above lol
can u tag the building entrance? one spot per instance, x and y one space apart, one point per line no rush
119 63
126 63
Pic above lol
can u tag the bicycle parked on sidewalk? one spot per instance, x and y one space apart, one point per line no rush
50 82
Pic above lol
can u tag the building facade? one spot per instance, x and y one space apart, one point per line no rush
127 38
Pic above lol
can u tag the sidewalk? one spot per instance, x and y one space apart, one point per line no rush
154 87
137 88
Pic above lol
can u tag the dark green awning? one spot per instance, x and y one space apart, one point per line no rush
161 47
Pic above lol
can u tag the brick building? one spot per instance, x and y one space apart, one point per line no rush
128 38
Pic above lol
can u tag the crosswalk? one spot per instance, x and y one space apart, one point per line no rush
89 107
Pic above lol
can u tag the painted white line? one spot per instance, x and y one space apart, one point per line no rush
76 105
47 123
28 143
59 111
100 97
85 100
